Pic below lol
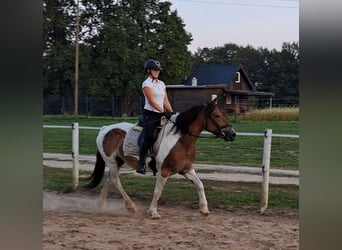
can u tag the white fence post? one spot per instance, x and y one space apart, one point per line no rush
75 155
266 169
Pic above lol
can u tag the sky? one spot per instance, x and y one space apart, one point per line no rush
259 23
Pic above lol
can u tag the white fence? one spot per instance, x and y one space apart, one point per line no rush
265 166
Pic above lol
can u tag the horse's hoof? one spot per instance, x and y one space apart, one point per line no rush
205 212
153 215
132 209
102 205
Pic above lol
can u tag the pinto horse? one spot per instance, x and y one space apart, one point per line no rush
175 154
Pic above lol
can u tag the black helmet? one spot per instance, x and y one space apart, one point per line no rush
152 64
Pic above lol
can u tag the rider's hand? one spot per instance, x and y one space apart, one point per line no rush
168 114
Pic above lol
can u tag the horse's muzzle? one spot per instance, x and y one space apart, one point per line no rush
229 134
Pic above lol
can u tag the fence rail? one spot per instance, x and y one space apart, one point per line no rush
204 132
266 155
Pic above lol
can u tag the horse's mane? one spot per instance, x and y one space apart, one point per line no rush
185 119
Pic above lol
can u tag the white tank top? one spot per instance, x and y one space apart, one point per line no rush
158 91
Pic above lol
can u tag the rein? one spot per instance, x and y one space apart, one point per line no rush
217 134
144 123
202 136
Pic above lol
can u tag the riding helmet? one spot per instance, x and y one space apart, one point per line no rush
152 64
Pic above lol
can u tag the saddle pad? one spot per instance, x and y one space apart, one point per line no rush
130 145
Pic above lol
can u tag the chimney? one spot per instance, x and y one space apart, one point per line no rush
194 81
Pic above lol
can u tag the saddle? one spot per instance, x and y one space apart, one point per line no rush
135 136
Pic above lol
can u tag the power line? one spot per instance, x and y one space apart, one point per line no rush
243 4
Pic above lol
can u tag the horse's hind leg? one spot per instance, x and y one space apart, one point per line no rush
128 201
104 192
203 204
114 178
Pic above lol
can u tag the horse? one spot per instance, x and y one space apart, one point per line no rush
175 153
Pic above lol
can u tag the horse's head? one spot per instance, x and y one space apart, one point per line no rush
217 122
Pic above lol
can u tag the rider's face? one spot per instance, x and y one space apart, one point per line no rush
155 73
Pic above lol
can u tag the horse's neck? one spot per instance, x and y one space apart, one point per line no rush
167 133
189 139
196 128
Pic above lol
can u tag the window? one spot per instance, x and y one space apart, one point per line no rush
237 77
228 99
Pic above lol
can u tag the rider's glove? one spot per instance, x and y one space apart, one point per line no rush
168 114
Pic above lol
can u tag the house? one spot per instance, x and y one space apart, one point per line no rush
236 92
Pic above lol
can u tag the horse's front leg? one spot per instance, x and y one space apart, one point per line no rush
203 204
158 189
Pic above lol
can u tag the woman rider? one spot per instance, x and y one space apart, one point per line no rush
156 105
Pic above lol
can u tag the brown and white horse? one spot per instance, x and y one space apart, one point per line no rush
176 152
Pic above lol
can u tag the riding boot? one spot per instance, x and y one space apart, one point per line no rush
152 165
141 169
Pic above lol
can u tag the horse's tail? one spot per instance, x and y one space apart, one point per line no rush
98 172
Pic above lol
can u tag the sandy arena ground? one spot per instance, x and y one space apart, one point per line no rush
73 221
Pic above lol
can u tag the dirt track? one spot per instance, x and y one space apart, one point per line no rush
72 221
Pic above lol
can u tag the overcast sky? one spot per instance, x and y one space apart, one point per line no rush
259 23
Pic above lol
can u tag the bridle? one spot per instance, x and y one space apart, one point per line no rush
220 133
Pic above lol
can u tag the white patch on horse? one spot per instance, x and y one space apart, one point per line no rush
105 130
168 141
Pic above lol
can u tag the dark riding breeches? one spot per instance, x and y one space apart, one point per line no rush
151 123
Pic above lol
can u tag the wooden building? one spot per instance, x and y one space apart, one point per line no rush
229 82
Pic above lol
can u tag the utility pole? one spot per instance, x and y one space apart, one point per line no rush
76 58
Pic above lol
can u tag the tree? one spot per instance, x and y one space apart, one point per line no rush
128 33
58 55
290 62
281 72
116 38
171 45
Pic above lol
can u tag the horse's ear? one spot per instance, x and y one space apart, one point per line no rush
211 105
214 101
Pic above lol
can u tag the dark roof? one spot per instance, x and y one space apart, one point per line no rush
213 74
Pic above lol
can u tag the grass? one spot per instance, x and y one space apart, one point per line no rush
273 114
178 191
245 150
